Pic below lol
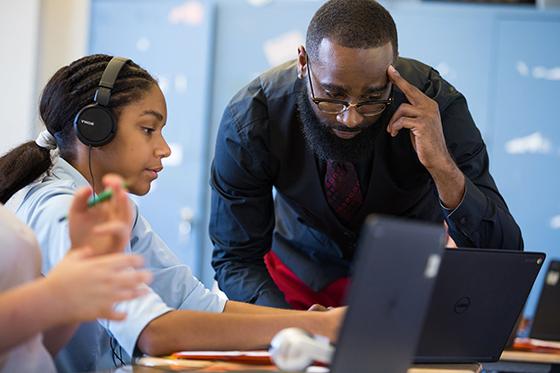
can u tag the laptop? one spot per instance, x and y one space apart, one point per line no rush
395 270
546 322
394 273
478 296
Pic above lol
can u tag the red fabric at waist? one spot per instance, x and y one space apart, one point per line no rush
298 294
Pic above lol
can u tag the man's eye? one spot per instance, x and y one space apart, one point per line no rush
336 95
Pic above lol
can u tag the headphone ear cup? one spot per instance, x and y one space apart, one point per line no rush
95 125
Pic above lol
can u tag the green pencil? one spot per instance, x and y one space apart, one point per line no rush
94 200
103 196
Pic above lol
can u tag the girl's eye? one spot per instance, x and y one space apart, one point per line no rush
148 130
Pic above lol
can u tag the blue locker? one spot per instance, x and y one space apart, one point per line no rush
171 39
525 112
454 39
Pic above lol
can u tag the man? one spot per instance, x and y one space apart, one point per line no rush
346 130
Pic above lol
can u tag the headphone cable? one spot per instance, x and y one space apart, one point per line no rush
114 355
91 173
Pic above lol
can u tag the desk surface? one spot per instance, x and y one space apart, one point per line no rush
525 362
446 368
214 366
531 357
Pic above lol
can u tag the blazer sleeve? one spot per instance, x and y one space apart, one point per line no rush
242 211
482 219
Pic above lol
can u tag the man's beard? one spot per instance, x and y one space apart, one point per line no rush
325 144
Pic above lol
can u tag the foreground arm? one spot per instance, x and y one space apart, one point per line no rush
231 330
19 318
80 288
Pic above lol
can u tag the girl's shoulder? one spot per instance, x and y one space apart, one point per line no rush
47 195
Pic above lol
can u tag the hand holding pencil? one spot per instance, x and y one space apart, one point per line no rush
103 223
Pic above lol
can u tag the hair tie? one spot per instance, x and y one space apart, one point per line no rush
45 140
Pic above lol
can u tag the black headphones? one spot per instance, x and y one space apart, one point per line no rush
95 124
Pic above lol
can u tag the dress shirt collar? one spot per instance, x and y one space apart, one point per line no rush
64 171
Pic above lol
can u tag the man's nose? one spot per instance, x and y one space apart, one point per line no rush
350 117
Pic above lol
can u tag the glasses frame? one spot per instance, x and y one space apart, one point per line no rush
346 105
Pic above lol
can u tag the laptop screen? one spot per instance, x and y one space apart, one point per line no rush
394 272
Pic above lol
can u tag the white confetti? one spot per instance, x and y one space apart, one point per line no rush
282 48
190 13
259 2
534 143
176 157
555 222
143 44
522 68
180 83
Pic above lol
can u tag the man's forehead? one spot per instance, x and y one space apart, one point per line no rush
339 65
334 59
329 50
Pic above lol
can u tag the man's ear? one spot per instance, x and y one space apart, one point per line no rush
302 62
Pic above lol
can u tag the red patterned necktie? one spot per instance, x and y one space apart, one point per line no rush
342 188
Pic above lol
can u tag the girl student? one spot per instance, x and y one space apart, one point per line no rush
178 313
39 314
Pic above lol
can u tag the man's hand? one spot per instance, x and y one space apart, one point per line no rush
421 116
105 227
318 308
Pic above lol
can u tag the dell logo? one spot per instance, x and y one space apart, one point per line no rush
89 123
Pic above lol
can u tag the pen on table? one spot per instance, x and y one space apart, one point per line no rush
94 200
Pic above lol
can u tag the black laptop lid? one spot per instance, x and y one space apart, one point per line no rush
546 322
395 269
477 299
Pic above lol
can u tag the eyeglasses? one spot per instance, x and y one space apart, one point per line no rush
366 108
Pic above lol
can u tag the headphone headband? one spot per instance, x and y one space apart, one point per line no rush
110 74
95 124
